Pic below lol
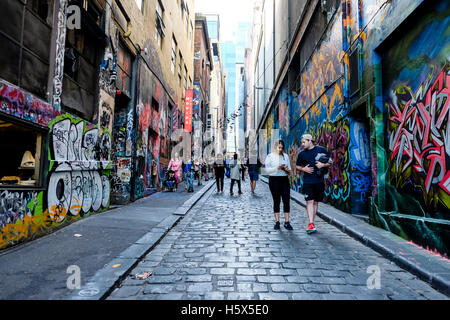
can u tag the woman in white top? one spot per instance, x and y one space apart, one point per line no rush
278 167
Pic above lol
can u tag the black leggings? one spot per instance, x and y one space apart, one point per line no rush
280 189
219 182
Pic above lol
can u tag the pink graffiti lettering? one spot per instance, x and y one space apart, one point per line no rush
421 134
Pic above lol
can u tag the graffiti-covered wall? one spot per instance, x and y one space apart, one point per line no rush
375 92
152 134
415 67
319 109
78 184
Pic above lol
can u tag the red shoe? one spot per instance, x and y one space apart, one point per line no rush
311 228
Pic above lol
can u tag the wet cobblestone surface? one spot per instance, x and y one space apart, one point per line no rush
225 248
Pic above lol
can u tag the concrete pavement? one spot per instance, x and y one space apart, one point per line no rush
39 269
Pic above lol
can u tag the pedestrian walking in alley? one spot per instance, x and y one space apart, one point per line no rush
188 183
254 167
278 167
219 172
235 174
244 168
205 171
154 171
175 165
198 172
227 168
313 162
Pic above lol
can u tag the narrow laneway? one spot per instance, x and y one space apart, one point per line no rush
226 248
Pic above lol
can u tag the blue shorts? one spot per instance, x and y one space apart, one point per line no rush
254 176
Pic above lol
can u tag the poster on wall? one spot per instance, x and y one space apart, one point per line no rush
188 111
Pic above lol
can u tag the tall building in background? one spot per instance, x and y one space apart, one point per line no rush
242 42
203 66
229 64
216 116
233 54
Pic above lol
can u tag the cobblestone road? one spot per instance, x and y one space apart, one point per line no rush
226 249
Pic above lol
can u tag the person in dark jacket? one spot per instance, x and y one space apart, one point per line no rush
219 173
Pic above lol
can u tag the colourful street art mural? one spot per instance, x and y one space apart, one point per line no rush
151 112
390 150
121 152
419 140
78 184
415 94
23 105
321 94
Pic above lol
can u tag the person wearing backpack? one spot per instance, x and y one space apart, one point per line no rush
278 167
313 162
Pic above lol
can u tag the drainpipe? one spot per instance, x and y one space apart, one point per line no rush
108 55
128 32
107 17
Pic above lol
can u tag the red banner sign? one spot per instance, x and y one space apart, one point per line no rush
188 111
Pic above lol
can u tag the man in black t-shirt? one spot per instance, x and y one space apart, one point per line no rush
313 161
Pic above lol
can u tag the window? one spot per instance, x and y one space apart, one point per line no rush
159 8
124 65
25 34
186 22
22 166
179 69
192 36
81 63
43 8
185 77
140 4
158 37
215 50
174 55
181 8
160 27
354 72
170 121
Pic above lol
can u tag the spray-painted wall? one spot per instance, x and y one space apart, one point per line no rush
152 133
389 140
414 110
77 163
78 184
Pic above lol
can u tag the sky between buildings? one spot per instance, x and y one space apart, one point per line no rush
231 13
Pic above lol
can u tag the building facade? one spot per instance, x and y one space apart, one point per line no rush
203 67
217 92
88 92
369 80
